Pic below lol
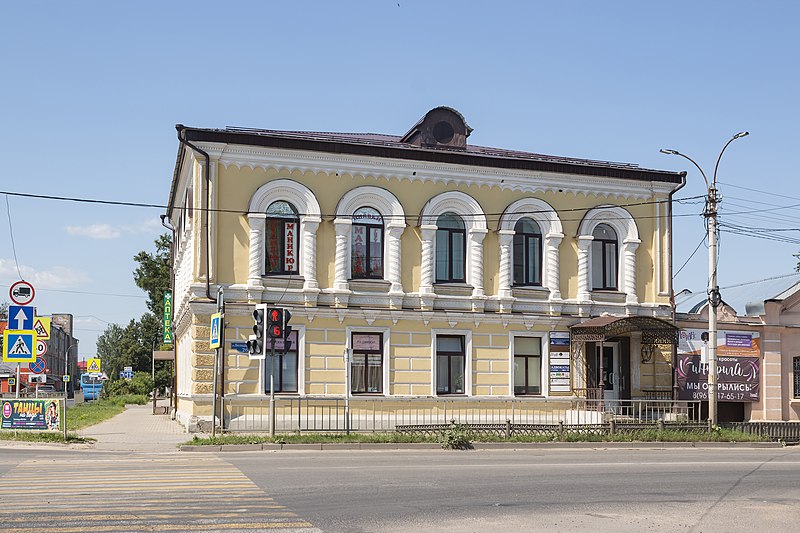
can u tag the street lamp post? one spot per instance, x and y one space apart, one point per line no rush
714 299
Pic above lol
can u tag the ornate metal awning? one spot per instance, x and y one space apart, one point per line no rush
654 330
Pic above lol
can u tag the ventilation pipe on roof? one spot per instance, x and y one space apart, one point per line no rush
206 172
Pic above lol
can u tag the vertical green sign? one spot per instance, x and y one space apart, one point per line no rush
167 317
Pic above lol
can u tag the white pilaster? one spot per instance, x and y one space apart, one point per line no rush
551 244
584 268
257 223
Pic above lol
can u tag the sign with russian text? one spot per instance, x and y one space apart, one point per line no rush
167 317
31 414
737 378
559 361
290 257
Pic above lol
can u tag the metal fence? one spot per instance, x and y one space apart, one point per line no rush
785 431
294 415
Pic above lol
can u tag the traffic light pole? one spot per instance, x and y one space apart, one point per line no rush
272 387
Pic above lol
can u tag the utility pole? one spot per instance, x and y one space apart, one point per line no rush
714 298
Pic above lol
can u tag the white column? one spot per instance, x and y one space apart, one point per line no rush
506 238
584 268
476 237
258 222
629 260
393 267
309 259
427 233
343 228
551 243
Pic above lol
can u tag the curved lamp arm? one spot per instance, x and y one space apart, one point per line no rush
737 136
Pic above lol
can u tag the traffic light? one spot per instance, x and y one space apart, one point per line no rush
275 322
255 342
278 322
287 329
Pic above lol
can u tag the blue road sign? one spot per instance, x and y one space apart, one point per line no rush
216 320
126 374
240 347
19 346
38 366
20 317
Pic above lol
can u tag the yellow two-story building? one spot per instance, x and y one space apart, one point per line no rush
417 268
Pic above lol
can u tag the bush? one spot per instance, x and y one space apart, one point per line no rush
456 437
141 384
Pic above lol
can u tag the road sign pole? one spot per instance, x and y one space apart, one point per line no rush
18 380
214 387
65 384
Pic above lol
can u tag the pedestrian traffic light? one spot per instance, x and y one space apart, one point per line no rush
255 342
275 322
287 329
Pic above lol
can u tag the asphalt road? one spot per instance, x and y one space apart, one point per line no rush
732 489
619 490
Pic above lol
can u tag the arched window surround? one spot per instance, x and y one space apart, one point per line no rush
394 222
552 233
474 220
622 222
307 206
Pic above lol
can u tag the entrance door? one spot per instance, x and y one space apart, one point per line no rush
611 373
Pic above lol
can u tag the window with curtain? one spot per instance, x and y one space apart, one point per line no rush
527 365
366 370
604 258
282 235
451 237
366 244
284 366
450 364
796 377
527 253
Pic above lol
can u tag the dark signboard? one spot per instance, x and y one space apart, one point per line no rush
737 378
31 414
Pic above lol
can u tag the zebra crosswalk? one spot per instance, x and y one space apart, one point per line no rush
116 494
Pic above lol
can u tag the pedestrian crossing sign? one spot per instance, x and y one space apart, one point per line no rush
19 346
93 365
216 320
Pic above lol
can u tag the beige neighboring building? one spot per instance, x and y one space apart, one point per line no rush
758 347
443 269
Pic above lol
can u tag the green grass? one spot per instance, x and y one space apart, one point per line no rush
42 436
648 435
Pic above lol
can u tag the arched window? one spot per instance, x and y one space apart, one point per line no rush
366 244
450 249
282 238
604 258
527 253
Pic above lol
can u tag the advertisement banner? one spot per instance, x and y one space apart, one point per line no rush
737 378
559 360
39 414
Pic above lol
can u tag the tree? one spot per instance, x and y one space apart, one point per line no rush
152 274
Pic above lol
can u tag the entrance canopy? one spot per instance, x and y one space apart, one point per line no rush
602 328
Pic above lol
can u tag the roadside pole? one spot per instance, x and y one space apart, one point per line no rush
18 384
272 387
215 387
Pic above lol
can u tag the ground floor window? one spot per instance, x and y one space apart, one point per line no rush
797 377
284 366
527 365
450 364
366 370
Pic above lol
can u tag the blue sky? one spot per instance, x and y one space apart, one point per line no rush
91 92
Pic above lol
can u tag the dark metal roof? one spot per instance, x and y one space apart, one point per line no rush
654 330
391 146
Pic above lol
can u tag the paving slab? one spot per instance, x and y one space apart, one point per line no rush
137 429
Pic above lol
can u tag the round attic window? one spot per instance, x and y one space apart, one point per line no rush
443 132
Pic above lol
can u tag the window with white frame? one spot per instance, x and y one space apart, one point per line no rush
450 364
527 253
366 366
282 370
527 365
366 244
282 238
796 368
604 258
450 249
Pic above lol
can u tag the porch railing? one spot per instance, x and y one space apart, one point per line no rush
241 414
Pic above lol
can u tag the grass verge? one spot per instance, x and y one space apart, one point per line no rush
463 440
42 436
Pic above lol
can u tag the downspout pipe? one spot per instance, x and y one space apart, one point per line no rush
173 244
207 174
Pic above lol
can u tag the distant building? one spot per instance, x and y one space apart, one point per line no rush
758 349
441 269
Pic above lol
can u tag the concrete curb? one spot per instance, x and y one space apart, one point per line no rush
483 446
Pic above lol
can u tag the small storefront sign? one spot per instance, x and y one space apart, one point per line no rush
559 361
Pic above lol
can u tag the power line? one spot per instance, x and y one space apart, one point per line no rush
13 244
87 292
690 257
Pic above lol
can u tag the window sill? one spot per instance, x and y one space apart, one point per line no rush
608 296
370 285
283 281
452 289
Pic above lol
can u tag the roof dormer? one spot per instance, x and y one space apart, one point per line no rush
441 127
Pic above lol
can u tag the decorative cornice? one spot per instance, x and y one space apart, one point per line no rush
288 161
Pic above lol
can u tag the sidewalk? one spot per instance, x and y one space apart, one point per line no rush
137 429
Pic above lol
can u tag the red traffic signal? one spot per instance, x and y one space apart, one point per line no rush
275 322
